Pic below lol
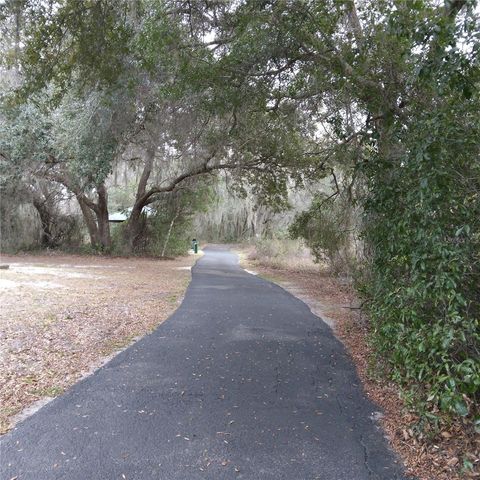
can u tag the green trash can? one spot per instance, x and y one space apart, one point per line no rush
195 245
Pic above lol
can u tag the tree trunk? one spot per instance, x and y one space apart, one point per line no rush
46 221
134 224
95 216
102 218
89 219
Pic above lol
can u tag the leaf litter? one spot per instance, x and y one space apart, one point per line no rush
63 315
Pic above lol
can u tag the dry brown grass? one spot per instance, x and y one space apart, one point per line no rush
62 314
437 458
288 255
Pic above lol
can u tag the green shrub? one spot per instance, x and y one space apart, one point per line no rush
422 226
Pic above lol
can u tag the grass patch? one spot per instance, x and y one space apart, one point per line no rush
48 391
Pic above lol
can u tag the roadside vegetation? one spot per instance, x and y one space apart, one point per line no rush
352 126
426 451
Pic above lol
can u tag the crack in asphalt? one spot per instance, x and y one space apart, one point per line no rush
366 458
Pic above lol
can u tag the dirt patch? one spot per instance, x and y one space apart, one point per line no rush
333 299
62 314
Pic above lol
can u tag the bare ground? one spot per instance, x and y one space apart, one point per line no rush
439 457
62 315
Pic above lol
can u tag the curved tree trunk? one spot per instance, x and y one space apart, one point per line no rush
90 222
46 221
134 223
102 218
95 216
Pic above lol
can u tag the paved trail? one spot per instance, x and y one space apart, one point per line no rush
242 382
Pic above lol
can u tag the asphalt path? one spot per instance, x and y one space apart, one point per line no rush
241 382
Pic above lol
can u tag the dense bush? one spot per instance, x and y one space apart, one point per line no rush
163 234
422 224
417 180
168 234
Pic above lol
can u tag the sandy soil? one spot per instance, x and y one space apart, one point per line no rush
439 457
62 315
